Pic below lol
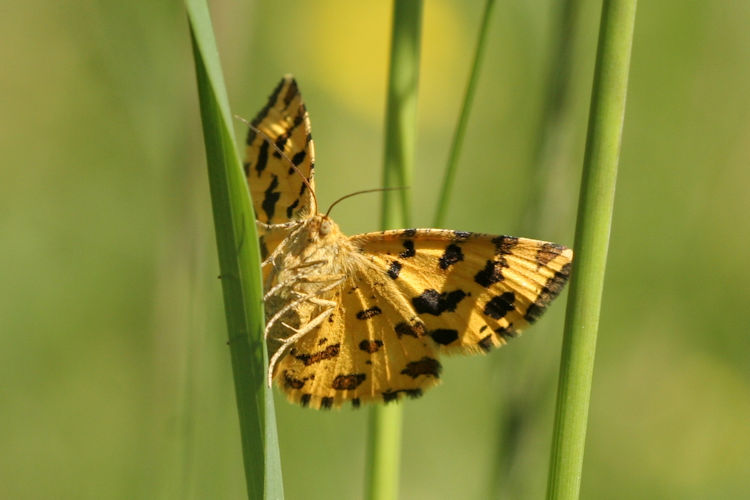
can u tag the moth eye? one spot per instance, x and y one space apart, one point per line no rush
325 227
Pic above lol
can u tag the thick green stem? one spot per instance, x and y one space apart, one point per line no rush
591 244
239 262
384 446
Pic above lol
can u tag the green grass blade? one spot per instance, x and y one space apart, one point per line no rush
384 440
463 118
592 240
239 261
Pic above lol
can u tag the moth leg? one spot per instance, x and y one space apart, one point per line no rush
298 334
309 263
281 247
302 279
323 302
283 225
300 300
270 258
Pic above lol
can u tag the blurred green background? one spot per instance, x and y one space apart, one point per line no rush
115 379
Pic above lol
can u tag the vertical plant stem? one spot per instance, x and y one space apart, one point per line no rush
239 262
463 118
384 442
553 125
592 240
401 112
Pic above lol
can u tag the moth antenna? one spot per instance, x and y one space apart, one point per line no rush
375 190
283 155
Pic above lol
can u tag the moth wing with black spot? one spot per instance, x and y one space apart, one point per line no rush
371 348
410 295
279 194
470 291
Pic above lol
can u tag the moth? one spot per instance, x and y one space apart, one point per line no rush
365 318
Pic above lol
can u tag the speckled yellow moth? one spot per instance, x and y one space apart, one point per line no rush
364 318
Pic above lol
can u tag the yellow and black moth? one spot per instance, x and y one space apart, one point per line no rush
364 318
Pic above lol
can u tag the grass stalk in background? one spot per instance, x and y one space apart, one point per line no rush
553 126
384 440
591 243
239 261
458 136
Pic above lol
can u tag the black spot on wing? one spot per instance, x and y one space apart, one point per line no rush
416 330
444 336
504 244
432 302
369 313
290 209
451 255
394 269
326 403
280 143
291 382
356 403
408 249
409 233
291 91
491 273
547 252
461 235
262 162
264 112
299 158
426 366
284 138
304 400
486 343
270 198
329 352
370 346
348 382
389 396
506 332
551 289
500 305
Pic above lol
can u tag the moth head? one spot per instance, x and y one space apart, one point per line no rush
326 226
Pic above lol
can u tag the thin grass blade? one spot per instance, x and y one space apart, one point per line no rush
463 118
239 262
384 440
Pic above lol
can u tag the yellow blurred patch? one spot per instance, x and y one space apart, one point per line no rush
357 67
